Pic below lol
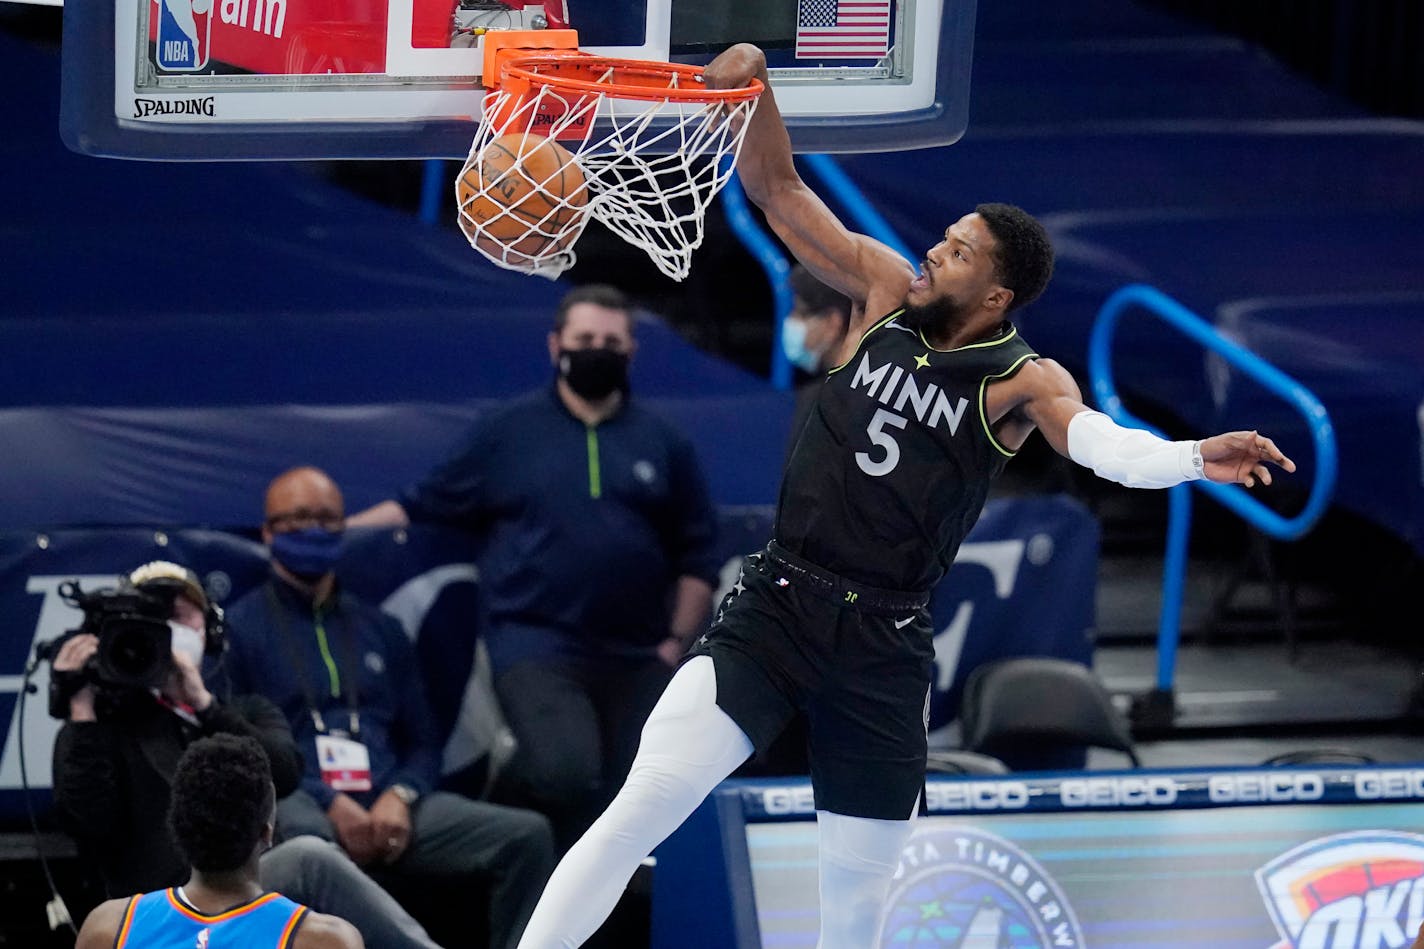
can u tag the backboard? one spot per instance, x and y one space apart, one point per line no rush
213 80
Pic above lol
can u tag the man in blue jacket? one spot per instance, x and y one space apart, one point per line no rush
598 560
345 675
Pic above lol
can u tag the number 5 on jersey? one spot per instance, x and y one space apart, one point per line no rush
883 440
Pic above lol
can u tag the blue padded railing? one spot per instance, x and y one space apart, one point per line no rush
766 252
769 255
1142 298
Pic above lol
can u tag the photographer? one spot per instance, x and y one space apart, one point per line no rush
133 707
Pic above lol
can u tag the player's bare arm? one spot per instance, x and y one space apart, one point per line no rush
1045 396
319 931
871 274
1041 395
101 926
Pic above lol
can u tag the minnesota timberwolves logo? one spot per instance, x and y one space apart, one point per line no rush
963 888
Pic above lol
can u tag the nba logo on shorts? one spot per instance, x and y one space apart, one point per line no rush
184 31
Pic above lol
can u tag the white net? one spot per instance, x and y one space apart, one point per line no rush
648 173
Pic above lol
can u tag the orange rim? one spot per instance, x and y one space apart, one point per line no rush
647 80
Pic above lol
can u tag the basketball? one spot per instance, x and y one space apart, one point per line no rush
524 193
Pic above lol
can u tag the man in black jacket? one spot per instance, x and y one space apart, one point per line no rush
598 559
116 754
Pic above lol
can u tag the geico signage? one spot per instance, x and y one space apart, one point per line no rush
1249 788
1374 785
977 796
781 802
1118 792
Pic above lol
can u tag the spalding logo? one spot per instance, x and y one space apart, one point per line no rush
1361 890
963 888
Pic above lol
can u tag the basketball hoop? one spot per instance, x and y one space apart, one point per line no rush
648 146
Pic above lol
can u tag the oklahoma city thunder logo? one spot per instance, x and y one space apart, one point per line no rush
185 29
1361 890
963 888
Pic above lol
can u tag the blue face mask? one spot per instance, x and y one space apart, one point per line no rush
308 553
793 343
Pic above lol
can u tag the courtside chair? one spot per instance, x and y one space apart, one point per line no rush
1038 713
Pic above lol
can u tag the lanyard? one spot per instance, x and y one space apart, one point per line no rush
295 656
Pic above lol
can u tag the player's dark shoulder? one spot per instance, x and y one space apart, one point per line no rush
879 334
101 926
885 324
320 931
1014 339
1009 356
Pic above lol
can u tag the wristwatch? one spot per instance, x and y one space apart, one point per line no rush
407 794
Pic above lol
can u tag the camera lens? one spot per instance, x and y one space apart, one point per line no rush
135 651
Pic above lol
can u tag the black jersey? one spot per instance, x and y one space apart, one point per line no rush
895 461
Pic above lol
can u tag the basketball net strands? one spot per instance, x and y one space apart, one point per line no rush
642 146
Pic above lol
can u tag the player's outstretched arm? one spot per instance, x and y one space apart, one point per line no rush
871 274
1044 395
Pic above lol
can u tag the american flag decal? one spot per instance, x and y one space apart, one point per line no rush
842 29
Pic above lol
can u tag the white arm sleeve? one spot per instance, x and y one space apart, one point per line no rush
1131 456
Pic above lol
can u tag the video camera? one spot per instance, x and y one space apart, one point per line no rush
131 622
135 642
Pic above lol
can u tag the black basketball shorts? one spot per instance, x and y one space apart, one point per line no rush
858 665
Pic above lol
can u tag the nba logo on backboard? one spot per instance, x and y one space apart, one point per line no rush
184 32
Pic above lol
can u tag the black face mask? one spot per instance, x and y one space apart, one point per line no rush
594 373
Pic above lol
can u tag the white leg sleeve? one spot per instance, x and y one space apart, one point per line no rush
1131 456
858 860
688 746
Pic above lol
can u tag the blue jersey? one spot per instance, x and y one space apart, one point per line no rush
161 920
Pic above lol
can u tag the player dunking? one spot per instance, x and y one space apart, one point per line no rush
935 391
222 813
